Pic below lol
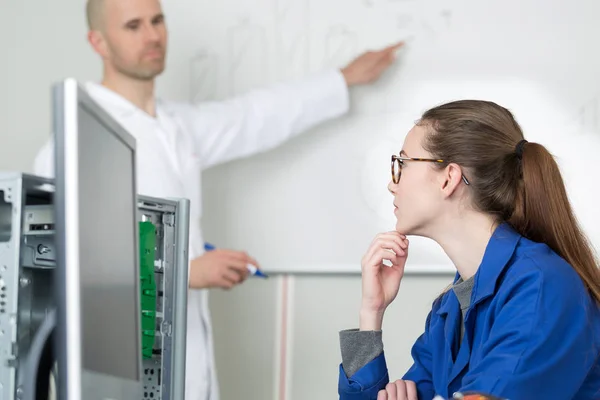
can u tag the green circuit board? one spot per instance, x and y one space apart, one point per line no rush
147 286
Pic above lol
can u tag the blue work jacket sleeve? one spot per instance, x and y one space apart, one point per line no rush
541 342
366 382
421 370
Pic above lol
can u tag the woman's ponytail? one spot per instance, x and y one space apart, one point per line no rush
544 214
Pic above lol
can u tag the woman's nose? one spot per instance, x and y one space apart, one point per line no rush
392 188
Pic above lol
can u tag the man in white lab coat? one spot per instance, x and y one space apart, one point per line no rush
175 142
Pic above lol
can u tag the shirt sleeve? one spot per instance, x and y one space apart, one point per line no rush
263 119
369 379
359 348
542 342
366 382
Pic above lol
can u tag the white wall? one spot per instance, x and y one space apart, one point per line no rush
546 72
42 42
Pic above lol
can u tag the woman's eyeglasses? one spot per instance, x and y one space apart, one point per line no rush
398 163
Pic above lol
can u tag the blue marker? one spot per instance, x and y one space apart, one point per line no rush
252 268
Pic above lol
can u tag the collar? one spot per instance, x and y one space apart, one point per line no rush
496 258
116 103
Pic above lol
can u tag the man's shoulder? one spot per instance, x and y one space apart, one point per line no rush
185 111
172 105
178 106
43 164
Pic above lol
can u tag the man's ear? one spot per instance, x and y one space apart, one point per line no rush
98 43
450 179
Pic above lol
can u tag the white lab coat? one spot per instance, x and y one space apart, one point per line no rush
184 139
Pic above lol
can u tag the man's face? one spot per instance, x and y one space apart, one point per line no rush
133 38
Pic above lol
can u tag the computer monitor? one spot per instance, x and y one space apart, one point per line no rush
97 280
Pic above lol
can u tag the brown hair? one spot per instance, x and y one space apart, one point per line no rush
524 188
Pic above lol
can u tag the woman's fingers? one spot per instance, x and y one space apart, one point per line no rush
382 395
392 391
398 246
411 390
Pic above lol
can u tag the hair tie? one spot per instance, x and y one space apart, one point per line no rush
519 149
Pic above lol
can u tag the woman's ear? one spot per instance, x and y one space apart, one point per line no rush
450 179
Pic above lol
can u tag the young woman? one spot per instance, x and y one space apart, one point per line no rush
522 319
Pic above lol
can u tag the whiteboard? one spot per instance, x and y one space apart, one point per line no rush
314 204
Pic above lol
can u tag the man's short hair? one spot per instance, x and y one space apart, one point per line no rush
95 13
